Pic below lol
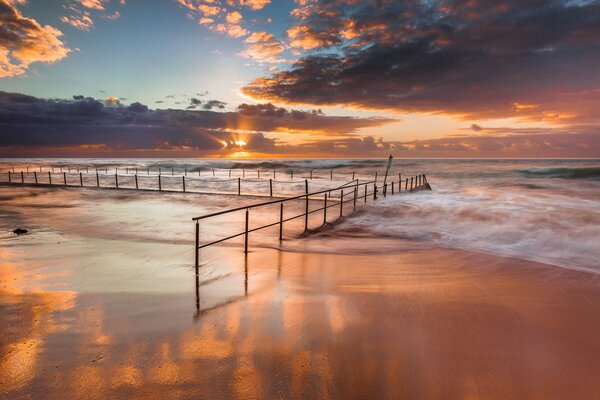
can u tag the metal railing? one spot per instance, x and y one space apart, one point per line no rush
350 189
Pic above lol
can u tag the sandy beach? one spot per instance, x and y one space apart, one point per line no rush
87 316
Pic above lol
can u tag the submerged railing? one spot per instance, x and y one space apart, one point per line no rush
350 189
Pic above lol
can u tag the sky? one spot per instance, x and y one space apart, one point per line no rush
300 78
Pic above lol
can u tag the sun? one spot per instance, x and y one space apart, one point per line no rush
240 143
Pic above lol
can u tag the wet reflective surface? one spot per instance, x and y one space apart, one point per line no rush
87 316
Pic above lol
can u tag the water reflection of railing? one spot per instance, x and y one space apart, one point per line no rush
349 192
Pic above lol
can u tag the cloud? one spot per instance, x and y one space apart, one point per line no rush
535 59
255 4
262 47
93 4
23 41
29 124
209 105
81 21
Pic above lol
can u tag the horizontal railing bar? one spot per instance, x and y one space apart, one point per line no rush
221 240
279 200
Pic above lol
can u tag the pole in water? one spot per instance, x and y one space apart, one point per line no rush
406 184
244 173
353 175
306 212
65 178
281 221
258 173
273 174
246 233
375 191
331 175
80 179
97 179
292 174
40 168
9 178
311 174
28 169
271 187
116 181
342 203
185 172
183 177
172 172
355 196
22 177
35 176
230 173
136 182
325 210
159 184
213 172
49 177
239 186
197 242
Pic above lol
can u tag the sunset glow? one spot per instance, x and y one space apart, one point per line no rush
282 75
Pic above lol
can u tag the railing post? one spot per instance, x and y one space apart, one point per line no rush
270 187
239 186
355 197
136 182
116 181
366 190
406 184
197 242
306 212
375 191
183 181
65 178
281 221
341 203
35 176
392 187
399 183
425 178
80 179
246 233
325 211
411 183
159 183
385 190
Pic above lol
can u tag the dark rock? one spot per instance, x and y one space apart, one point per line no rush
20 231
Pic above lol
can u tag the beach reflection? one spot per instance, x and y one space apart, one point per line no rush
285 325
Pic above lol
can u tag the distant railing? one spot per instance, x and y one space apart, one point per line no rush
184 182
418 182
214 172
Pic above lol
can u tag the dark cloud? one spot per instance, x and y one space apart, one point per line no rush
194 103
34 123
473 58
209 105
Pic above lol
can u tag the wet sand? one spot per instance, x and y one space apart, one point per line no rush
125 320
98 301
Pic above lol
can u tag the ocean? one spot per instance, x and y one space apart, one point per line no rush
539 210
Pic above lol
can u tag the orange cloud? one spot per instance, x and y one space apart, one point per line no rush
24 41
255 4
234 17
82 22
